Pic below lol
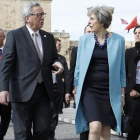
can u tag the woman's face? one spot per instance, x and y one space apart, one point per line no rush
94 24
137 35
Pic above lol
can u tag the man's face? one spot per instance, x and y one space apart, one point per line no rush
88 30
34 21
58 46
2 37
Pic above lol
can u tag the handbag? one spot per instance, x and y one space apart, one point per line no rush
125 124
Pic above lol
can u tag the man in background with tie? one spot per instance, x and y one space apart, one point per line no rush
5 111
26 64
60 83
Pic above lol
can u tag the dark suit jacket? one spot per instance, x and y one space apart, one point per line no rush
61 85
64 75
131 67
21 63
72 69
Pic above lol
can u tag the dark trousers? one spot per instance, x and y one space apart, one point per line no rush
134 107
84 135
54 123
5 113
36 111
57 109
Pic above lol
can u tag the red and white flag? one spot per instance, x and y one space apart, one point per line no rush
124 21
135 22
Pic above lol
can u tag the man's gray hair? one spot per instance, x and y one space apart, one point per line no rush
3 32
102 13
27 9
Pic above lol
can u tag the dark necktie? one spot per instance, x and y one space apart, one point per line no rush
0 54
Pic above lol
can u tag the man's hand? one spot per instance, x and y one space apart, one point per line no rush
4 97
59 67
134 94
67 98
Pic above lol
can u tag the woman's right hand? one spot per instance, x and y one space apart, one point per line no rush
134 94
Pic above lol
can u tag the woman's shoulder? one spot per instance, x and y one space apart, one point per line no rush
115 35
85 36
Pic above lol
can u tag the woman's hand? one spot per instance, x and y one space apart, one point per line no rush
134 94
123 101
74 92
123 97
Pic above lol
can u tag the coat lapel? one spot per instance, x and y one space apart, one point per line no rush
29 40
44 43
87 51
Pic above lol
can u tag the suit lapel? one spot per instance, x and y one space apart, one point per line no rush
29 40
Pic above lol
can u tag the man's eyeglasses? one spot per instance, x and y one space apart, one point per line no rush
39 15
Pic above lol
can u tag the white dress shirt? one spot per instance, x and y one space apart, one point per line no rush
39 41
2 48
138 73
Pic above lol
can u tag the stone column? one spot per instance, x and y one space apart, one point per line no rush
11 13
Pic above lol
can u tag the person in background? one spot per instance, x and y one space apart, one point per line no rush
5 111
87 29
26 75
100 77
132 61
58 90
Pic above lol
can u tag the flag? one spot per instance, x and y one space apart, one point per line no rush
135 22
124 21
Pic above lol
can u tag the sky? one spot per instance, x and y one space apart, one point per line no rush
71 15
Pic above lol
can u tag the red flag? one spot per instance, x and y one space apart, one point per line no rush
124 21
135 22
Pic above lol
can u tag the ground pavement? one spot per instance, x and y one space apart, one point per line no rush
65 129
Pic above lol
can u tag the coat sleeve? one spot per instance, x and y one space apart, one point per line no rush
128 54
122 71
65 74
72 69
7 62
55 54
77 68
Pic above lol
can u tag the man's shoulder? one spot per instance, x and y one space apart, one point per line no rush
61 56
130 50
74 48
45 33
16 30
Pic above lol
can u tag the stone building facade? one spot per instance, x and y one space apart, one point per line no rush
11 13
11 19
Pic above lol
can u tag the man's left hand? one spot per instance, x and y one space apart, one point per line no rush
67 98
59 67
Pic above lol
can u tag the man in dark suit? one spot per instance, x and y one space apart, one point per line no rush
58 89
27 60
5 111
84 135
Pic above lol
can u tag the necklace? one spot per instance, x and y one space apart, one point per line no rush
101 46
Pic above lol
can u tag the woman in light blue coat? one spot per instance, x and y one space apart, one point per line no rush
100 77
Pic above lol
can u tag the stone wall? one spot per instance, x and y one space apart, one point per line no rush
65 44
11 13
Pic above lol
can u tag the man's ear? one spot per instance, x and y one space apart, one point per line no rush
27 19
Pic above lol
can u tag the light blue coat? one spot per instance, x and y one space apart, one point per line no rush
117 79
